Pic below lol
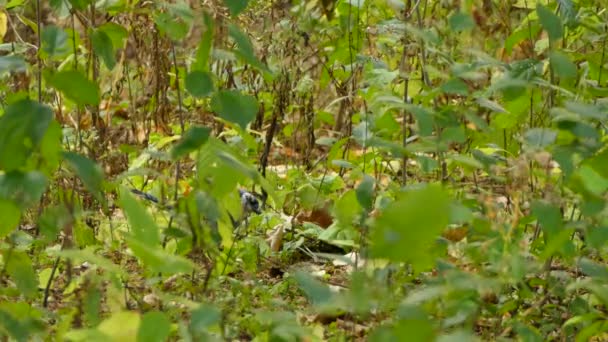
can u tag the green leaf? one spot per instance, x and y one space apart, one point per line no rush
540 137
11 215
204 47
19 268
53 220
121 326
157 260
244 48
75 86
12 63
193 139
549 217
408 227
235 6
461 22
143 226
174 28
593 269
346 208
102 45
562 65
550 22
154 326
204 317
455 86
22 129
235 107
54 41
115 32
199 83
365 192
24 189
317 292
89 173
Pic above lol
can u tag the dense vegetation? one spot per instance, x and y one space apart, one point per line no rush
430 170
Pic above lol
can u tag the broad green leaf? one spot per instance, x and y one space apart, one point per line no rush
562 65
143 226
19 267
193 139
593 269
244 48
54 41
549 217
50 148
89 173
52 220
20 320
199 83
550 22
408 227
235 107
155 326
24 189
158 260
22 129
455 86
115 32
204 317
204 47
11 216
588 111
11 63
236 6
75 86
540 137
102 45
365 192
461 22
80 4
92 305
174 28
346 208
121 326
317 292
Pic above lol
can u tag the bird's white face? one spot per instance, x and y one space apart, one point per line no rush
250 203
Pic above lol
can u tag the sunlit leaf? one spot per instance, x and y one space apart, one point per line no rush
11 215
121 326
155 326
